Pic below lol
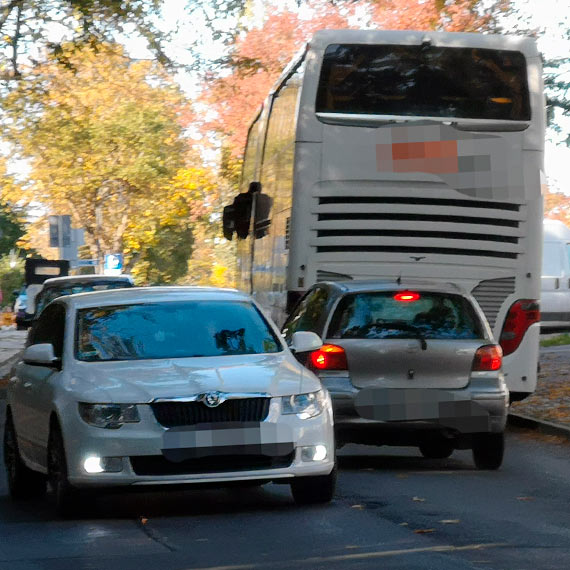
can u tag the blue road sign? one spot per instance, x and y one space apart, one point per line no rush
114 261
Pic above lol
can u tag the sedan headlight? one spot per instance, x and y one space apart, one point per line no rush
108 416
304 405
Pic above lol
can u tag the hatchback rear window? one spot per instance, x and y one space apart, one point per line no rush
381 315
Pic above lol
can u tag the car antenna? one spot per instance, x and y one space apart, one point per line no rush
399 280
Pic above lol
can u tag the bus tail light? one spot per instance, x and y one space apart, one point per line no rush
329 357
488 357
521 315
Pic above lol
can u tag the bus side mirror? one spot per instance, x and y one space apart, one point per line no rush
263 204
254 188
228 222
242 214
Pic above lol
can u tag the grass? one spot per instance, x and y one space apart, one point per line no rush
556 340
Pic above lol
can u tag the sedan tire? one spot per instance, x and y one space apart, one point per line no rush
488 450
23 482
314 490
436 449
66 497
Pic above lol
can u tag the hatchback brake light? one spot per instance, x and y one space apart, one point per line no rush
407 296
488 357
521 315
329 357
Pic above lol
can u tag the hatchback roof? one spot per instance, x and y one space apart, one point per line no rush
362 285
73 279
138 295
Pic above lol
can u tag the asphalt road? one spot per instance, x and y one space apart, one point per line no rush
393 509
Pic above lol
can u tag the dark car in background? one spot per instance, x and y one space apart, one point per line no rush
411 364
60 286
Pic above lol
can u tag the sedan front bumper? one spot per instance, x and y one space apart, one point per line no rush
146 453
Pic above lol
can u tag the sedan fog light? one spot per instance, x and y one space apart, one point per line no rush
93 465
96 464
314 453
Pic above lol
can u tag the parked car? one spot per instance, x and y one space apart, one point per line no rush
555 281
20 305
169 385
407 364
60 286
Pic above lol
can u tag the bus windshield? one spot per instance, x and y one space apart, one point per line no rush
424 81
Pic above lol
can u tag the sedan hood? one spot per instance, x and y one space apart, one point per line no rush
145 380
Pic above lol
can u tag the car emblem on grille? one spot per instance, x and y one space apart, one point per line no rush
212 399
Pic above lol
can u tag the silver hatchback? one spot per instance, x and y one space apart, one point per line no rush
410 363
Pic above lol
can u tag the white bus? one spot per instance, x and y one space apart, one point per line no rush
402 153
555 291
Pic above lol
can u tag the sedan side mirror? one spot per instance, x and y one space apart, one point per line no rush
305 341
41 355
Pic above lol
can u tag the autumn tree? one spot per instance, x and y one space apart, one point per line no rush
103 139
260 53
26 27
557 207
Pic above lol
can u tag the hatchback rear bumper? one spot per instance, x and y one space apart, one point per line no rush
406 416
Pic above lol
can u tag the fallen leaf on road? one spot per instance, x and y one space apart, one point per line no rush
143 520
525 498
449 521
424 530
418 500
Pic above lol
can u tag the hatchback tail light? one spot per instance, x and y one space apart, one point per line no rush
488 357
521 315
329 357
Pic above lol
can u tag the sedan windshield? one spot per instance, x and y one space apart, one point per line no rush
382 315
172 330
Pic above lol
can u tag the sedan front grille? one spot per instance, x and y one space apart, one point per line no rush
158 465
174 414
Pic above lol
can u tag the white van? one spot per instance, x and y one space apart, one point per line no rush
555 289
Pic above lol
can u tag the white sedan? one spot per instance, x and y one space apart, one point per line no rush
165 385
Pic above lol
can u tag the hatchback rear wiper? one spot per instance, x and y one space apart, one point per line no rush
406 327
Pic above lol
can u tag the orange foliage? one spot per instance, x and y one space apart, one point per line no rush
557 207
260 54
458 16
258 59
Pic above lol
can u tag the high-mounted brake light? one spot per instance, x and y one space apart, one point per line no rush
329 357
488 357
521 316
407 296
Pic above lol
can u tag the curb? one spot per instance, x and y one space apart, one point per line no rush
542 426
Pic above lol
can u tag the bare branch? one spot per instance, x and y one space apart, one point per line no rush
6 10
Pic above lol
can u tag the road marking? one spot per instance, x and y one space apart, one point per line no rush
359 556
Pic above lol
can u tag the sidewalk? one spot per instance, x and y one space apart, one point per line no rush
551 400
549 405
11 344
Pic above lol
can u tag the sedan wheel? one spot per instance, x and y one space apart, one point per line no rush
314 490
488 450
436 449
23 483
66 500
